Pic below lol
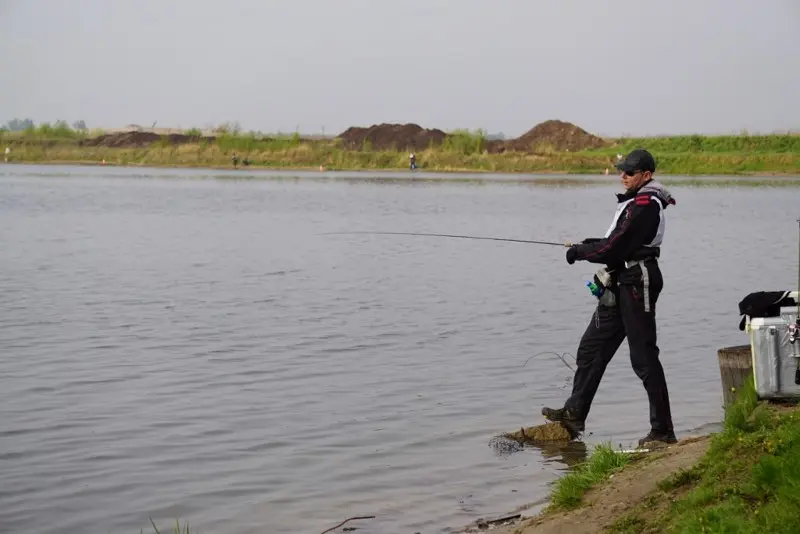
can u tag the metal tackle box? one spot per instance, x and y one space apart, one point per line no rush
776 359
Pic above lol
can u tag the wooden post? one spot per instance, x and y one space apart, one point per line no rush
735 367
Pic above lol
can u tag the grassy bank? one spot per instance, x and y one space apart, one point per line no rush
569 490
749 481
683 155
745 479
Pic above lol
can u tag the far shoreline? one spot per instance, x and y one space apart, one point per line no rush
551 148
453 175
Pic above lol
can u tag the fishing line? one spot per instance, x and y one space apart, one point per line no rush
562 357
551 243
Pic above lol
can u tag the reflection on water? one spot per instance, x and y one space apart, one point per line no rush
388 177
569 453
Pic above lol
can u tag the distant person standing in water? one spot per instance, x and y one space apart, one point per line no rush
412 161
234 160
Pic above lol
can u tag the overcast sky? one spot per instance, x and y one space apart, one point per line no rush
613 67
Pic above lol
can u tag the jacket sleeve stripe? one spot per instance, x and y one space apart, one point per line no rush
614 236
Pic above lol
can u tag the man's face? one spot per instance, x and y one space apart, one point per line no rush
635 179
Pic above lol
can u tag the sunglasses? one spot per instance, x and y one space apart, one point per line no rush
631 174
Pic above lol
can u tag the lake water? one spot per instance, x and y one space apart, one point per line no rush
187 344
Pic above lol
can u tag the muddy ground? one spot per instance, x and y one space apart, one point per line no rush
391 137
555 135
139 139
549 135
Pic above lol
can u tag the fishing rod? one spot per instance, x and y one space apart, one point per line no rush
551 243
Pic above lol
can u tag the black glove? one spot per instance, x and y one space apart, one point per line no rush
591 240
572 253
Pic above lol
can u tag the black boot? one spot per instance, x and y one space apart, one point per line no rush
568 419
658 439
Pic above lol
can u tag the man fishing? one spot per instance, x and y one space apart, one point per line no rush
632 281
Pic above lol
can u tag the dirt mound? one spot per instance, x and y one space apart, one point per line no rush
391 137
556 135
495 146
140 139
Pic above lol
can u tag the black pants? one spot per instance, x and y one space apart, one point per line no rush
606 331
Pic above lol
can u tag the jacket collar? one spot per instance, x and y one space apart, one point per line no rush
651 187
627 195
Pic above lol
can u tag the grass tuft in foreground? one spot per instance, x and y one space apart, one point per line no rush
569 490
177 529
748 481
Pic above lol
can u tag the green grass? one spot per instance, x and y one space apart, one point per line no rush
715 143
748 481
58 131
679 479
465 142
629 524
462 150
177 529
569 490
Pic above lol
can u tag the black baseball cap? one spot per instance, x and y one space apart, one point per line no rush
638 160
